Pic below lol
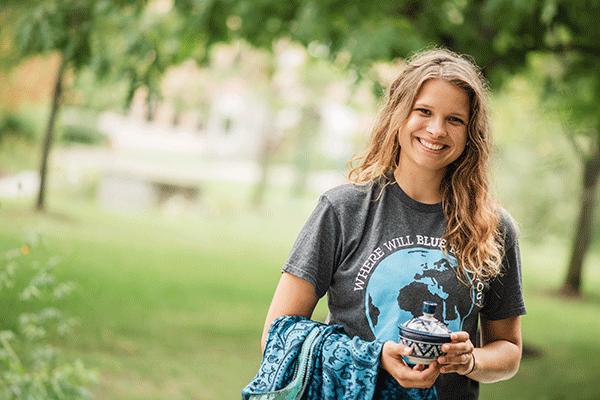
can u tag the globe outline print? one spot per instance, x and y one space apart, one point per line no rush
401 282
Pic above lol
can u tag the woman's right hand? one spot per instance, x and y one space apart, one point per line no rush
416 377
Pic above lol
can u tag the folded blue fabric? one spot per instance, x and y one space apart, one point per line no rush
341 367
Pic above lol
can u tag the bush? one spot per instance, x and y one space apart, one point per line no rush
17 126
83 135
30 366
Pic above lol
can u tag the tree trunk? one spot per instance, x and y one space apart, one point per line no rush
584 233
264 161
309 129
47 144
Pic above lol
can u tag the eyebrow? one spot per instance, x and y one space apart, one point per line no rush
454 114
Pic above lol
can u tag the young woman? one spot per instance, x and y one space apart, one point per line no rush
417 223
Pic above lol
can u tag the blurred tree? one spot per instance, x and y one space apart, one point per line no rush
151 44
500 35
306 133
573 87
68 27
355 33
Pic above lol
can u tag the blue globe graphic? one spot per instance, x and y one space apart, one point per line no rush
402 281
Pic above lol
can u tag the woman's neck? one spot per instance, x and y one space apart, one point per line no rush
422 188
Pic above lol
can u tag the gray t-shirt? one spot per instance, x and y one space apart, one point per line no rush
376 253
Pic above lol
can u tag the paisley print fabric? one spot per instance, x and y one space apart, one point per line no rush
341 367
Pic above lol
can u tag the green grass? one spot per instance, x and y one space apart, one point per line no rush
174 308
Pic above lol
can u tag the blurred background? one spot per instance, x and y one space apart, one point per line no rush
158 159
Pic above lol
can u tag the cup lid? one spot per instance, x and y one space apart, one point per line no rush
427 324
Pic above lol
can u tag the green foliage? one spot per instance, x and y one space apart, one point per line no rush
16 125
366 30
61 25
499 34
150 47
30 366
81 127
83 135
531 146
18 135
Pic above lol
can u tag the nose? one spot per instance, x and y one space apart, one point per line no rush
437 127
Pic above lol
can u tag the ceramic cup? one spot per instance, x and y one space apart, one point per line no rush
425 335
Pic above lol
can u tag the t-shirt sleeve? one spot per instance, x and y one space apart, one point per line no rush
505 297
316 251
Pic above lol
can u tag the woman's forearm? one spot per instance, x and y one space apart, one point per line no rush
496 361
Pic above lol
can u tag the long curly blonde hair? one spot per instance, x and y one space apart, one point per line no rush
472 232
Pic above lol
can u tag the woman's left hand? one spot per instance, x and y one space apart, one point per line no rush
459 354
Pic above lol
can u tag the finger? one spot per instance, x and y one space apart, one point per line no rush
431 372
458 348
449 368
459 364
433 367
420 371
397 349
419 376
426 369
461 343
461 358
418 367
460 336
454 359
401 349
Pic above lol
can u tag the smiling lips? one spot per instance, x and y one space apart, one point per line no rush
430 145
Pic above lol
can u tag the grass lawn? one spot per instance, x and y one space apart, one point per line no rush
174 308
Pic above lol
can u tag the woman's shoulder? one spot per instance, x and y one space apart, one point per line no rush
350 201
342 192
507 226
353 193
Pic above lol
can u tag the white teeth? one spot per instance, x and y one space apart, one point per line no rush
431 145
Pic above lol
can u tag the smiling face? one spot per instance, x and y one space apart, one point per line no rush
435 133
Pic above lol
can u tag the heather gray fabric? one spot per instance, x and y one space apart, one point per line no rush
376 253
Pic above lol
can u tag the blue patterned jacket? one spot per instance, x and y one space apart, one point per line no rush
340 367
